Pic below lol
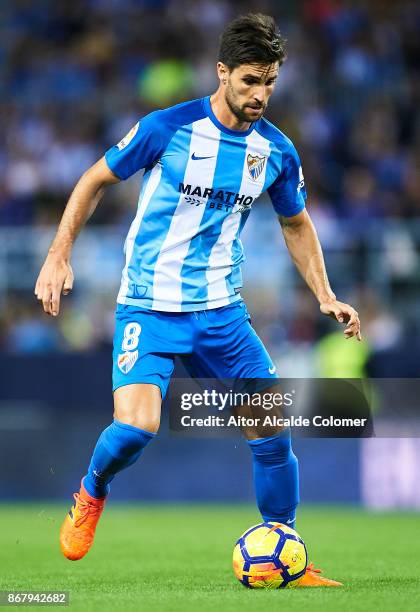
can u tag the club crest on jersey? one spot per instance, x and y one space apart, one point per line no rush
127 360
128 137
255 165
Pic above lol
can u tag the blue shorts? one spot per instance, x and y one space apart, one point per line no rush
218 343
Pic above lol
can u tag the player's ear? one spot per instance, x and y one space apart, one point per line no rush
222 72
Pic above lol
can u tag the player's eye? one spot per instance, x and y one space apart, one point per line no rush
250 81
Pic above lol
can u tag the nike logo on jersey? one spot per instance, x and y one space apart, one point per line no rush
196 157
272 369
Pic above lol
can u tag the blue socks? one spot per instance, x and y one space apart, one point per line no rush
118 447
276 478
275 468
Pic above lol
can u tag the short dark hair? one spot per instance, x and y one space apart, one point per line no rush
251 39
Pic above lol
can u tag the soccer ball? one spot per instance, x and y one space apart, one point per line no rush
269 556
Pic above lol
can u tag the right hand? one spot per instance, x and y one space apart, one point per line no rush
55 278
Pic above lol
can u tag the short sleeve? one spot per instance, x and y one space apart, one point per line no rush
288 193
140 148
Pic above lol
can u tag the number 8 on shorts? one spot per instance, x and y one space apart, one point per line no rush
131 336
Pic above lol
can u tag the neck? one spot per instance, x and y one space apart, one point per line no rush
224 114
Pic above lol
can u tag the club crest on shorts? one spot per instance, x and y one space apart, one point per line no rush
127 360
255 165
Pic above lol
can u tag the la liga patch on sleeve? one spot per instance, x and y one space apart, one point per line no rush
128 137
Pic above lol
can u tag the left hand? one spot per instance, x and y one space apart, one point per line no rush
343 313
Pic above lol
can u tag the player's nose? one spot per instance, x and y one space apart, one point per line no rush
258 94
256 102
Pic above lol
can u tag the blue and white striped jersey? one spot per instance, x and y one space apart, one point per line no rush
183 250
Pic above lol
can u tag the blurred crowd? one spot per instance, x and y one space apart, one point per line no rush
75 76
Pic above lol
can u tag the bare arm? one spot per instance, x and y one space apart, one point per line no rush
304 247
56 275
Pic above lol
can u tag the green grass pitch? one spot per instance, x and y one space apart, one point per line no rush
178 558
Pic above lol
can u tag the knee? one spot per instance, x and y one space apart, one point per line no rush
137 418
138 406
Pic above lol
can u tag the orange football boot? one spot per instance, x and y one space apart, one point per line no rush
78 530
311 578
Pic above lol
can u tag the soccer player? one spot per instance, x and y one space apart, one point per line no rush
205 163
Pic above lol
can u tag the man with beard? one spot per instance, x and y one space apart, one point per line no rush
205 163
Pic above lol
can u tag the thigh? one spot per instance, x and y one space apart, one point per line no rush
229 347
145 344
138 405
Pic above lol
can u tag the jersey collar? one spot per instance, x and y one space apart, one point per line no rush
220 126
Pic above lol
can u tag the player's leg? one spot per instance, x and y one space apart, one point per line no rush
276 477
136 421
140 380
229 348
276 480
275 466
233 350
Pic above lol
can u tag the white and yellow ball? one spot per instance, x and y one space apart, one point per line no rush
271 556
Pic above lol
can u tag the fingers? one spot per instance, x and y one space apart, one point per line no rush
344 313
350 332
68 283
42 292
54 279
340 314
50 296
354 317
46 299
353 326
55 301
39 289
